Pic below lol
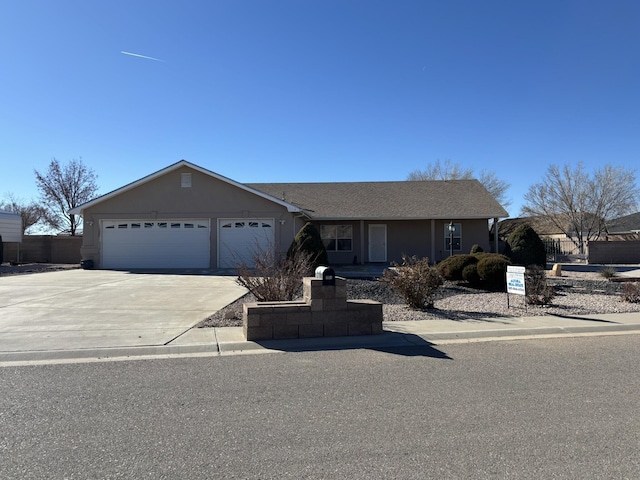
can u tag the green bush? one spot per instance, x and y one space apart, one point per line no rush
526 247
492 269
308 241
451 267
470 274
415 280
476 249
536 288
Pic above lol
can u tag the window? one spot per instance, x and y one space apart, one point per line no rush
148 224
457 237
337 238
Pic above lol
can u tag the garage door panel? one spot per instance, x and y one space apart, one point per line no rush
165 244
241 239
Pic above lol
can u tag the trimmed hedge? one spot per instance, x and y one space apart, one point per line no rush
451 267
476 249
482 269
492 269
470 274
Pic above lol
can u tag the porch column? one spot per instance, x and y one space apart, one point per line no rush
495 235
433 241
361 242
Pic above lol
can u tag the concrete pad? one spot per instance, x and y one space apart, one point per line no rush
78 309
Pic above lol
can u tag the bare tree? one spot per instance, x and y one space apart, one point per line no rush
30 212
442 171
273 277
448 170
63 187
580 205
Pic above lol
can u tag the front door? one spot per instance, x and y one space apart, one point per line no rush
377 243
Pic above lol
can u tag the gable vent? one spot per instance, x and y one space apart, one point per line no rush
185 180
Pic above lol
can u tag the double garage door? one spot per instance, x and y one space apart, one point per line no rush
181 243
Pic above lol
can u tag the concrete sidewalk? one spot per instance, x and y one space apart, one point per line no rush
397 335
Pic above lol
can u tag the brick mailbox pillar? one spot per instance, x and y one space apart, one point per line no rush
323 312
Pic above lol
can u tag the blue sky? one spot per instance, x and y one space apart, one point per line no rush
302 90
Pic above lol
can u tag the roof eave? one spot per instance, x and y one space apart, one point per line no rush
182 163
447 218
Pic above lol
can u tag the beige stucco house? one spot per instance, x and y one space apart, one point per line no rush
185 216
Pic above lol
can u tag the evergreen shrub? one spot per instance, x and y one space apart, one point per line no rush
476 249
526 247
451 267
492 269
309 242
470 274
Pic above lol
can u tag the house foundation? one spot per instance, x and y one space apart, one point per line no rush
323 312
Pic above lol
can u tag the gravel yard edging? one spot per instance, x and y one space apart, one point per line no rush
575 296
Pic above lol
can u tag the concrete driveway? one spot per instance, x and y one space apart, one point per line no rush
88 309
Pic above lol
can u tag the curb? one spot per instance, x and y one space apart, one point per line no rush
388 339
105 353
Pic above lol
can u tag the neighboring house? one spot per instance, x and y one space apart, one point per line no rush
10 230
10 226
544 227
624 228
185 216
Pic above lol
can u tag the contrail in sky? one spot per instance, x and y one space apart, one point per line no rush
141 56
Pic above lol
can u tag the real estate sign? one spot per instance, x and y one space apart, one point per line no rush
515 280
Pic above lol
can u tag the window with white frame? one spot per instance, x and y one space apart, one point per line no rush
337 238
457 237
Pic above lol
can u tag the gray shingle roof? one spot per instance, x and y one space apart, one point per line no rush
628 223
431 199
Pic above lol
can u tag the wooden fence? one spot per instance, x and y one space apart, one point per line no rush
44 249
621 252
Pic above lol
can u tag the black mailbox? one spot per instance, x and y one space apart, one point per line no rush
327 275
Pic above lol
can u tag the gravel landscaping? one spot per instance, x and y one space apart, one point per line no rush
578 293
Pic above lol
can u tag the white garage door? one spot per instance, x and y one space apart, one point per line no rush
155 244
239 239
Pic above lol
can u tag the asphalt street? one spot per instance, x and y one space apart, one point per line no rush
547 408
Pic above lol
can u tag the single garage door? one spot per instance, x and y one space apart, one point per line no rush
239 239
156 244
